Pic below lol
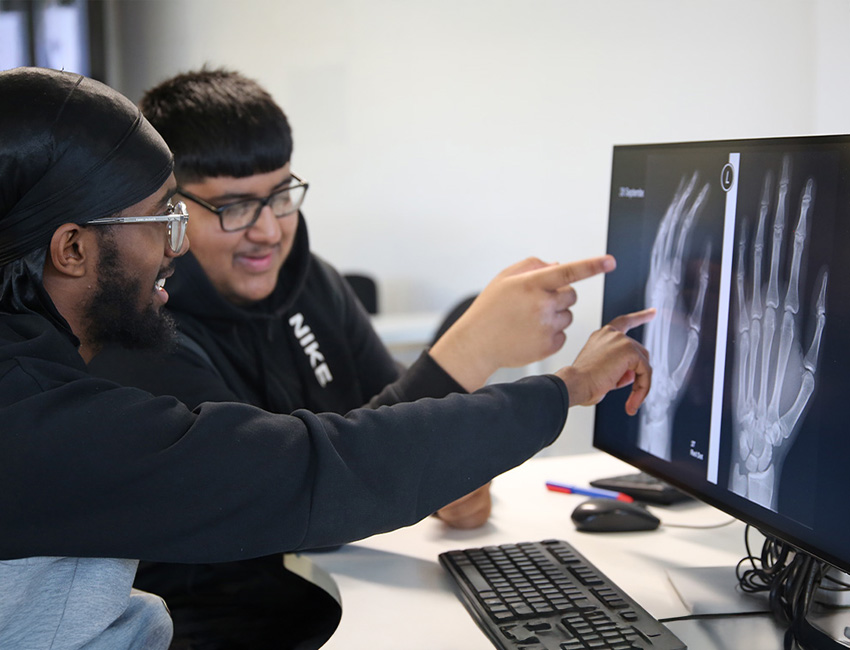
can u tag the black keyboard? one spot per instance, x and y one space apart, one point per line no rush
546 596
643 487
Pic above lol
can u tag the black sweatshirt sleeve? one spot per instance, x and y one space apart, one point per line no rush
91 469
425 378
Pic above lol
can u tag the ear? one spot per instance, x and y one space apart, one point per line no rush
72 250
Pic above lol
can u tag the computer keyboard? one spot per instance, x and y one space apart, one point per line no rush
546 596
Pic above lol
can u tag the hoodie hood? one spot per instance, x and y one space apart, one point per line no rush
22 292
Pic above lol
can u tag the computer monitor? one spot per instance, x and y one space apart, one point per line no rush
743 246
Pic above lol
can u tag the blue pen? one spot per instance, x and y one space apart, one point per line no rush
588 492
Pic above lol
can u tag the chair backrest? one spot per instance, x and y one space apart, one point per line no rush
366 290
455 313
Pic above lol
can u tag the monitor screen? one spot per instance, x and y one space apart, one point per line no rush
744 249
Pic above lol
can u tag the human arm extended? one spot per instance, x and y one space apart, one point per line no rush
106 471
113 472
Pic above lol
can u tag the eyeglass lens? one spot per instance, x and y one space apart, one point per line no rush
246 213
177 227
176 233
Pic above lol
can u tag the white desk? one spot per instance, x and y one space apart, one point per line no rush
396 595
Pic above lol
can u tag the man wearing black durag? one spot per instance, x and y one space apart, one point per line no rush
94 477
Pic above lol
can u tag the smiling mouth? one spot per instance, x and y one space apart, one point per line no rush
259 252
164 274
257 261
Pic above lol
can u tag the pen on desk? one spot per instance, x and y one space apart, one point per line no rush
588 492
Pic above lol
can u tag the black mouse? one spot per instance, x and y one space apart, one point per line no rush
613 516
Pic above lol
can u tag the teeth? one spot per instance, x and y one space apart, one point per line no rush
160 284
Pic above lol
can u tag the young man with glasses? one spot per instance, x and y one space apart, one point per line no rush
264 321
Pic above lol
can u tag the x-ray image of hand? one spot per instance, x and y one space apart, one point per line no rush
775 377
672 338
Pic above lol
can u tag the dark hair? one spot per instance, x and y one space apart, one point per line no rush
218 123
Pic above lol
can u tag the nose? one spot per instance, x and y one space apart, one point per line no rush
266 229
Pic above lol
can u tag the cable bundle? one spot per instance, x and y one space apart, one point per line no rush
790 577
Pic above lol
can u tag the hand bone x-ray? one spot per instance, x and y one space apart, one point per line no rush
775 374
672 338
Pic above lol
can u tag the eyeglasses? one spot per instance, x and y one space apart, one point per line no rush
244 214
177 216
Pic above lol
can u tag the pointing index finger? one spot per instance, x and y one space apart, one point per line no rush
629 321
560 275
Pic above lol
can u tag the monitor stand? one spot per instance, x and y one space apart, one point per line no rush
714 591
827 624
826 628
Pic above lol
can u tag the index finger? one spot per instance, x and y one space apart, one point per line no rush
629 321
560 275
640 387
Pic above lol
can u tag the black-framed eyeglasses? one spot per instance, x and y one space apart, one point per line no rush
177 216
240 215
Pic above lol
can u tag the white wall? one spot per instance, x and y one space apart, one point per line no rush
445 139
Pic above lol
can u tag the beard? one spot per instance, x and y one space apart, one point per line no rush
116 314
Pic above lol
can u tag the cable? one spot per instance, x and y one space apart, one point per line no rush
729 521
790 577
706 617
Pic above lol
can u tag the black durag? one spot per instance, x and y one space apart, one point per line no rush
71 150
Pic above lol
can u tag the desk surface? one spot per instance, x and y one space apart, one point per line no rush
393 588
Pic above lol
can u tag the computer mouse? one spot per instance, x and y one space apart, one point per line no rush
613 516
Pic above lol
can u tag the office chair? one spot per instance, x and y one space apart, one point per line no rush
455 313
366 290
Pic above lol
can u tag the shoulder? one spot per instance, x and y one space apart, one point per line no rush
322 271
183 373
35 356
